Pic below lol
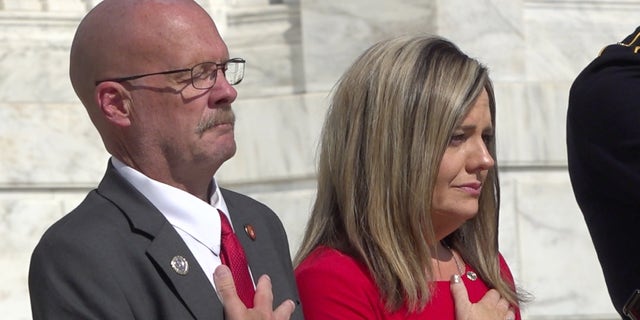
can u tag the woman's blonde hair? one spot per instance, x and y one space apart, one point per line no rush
390 120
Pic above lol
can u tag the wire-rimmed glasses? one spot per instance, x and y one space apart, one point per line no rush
203 75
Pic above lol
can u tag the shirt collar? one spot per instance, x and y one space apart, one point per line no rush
183 210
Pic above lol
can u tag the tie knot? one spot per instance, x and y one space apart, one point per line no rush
225 226
232 254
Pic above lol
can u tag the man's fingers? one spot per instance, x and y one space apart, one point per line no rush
264 295
226 289
224 283
263 301
284 310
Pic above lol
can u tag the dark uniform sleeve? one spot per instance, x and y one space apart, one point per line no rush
603 145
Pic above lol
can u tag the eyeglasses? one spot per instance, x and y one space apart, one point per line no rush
203 75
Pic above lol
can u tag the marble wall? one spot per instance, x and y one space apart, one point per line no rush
296 49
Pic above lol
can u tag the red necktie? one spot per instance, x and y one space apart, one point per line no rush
232 255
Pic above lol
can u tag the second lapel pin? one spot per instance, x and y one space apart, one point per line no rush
251 232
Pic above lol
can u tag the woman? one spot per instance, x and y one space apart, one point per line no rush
408 192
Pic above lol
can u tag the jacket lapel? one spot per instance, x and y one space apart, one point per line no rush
193 288
268 252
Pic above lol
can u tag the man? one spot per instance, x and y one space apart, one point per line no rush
155 78
603 144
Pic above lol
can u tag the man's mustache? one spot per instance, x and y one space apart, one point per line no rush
218 118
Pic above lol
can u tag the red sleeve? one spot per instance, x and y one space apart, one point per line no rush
506 273
335 286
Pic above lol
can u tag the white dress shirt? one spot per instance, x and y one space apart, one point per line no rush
197 222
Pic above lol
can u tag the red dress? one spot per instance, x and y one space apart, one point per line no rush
333 285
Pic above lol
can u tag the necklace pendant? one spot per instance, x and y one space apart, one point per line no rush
472 275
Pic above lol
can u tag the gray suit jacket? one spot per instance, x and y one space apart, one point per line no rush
110 258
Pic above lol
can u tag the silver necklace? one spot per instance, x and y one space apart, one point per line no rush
470 274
